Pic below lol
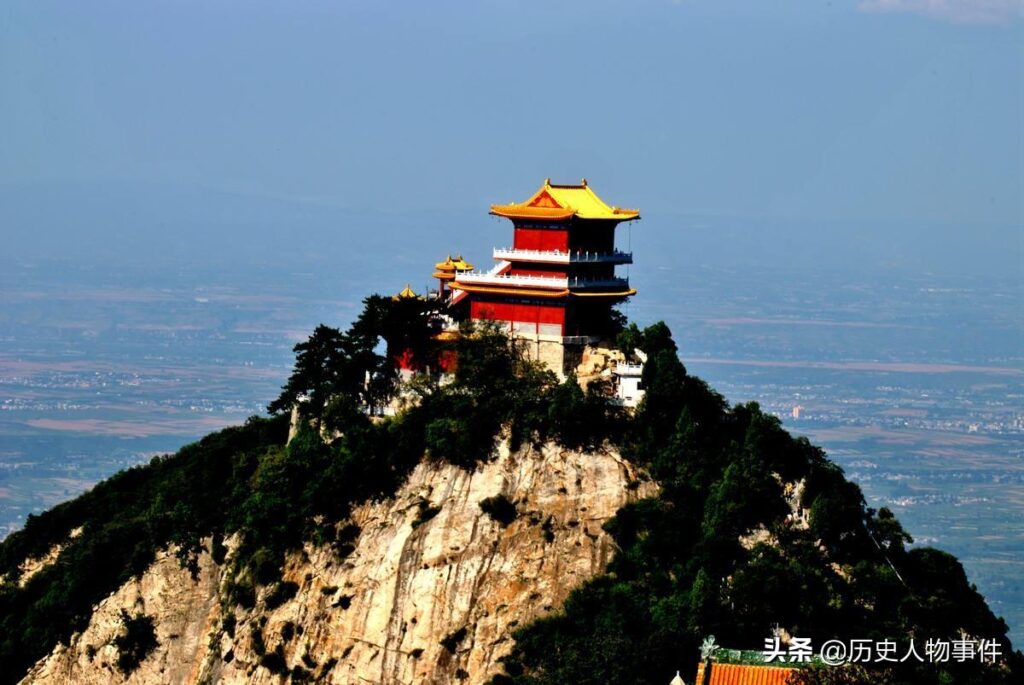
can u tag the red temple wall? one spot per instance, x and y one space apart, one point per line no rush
519 312
541 239
583 236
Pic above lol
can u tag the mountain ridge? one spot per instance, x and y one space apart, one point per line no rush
691 558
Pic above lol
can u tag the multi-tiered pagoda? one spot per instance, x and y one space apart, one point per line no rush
555 286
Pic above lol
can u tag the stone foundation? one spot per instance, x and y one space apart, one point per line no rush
553 352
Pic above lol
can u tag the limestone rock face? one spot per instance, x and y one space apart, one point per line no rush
430 594
184 609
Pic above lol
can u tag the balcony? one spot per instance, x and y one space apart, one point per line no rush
614 282
625 369
523 281
500 279
559 257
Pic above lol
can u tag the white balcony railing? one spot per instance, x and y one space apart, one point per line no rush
560 283
563 257
624 369
485 278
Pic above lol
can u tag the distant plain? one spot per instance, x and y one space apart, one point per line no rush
910 376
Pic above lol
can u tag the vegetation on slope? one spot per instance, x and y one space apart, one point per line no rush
681 572
177 499
245 480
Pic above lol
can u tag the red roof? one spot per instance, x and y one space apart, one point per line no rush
739 674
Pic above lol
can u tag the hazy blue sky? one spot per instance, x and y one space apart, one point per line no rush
882 112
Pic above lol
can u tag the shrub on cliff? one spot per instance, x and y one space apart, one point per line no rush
135 641
500 508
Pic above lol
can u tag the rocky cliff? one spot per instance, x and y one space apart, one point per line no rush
430 593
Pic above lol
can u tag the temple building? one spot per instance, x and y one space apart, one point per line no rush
556 284
446 271
712 673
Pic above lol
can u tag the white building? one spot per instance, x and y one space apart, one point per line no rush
629 388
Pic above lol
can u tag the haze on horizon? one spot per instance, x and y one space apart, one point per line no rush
851 133
832 202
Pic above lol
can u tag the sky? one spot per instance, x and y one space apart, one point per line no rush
850 121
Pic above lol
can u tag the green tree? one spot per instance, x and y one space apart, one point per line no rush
887 531
407 326
568 413
664 382
630 339
837 516
705 604
319 373
657 338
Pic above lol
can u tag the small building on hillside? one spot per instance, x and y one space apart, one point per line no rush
714 673
629 388
720 666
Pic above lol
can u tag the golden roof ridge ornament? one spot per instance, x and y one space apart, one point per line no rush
708 647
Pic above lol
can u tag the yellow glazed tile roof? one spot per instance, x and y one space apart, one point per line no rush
447 265
407 293
737 674
557 202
